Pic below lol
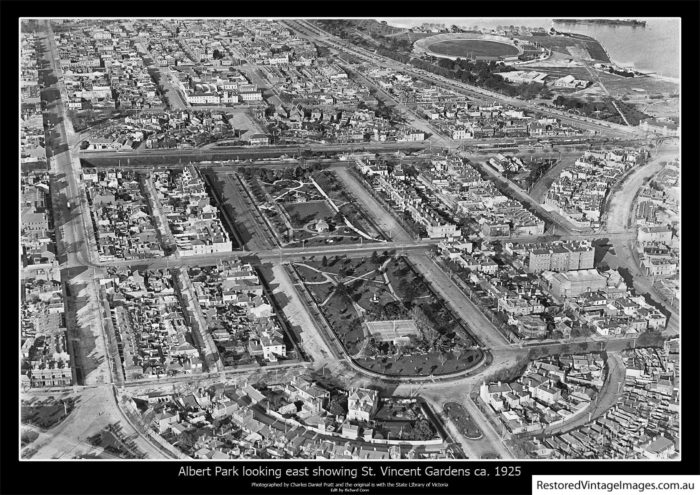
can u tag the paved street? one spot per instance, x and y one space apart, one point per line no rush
618 218
95 409
476 321
97 405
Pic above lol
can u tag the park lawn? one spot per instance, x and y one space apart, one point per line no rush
275 219
311 191
401 276
279 186
359 266
303 235
366 292
333 187
462 420
327 181
303 213
308 274
321 239
347 326
321 291
344 321
359 220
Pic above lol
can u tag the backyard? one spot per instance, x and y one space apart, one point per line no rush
402 419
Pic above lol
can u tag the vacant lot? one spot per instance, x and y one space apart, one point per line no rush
473 48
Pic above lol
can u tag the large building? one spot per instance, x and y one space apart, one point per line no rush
532 327
573 283
570 82
654 234
522 77
561 257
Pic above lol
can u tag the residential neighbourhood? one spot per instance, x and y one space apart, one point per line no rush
643 423
154 333
121 216
238 315
579 193
344 240
547 393
298 419
191 219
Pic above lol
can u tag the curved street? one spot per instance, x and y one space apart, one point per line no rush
619 219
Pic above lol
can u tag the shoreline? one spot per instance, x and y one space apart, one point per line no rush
630 66
644 72
668 79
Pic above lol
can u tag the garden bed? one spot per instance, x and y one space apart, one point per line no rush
462 420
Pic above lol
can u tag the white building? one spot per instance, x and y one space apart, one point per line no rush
362 404
570 82
522 77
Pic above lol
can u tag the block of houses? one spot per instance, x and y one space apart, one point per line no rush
493 393
164 419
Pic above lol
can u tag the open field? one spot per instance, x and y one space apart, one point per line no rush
473 48
241 120
562 44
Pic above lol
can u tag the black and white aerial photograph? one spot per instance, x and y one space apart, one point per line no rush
350 239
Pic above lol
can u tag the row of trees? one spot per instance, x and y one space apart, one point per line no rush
288 173
483 74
